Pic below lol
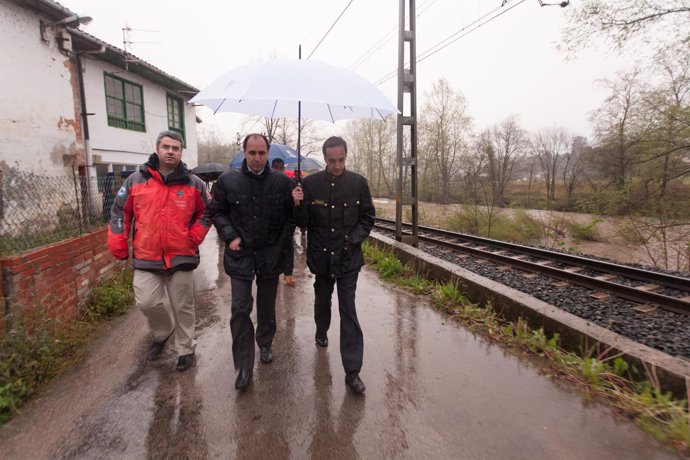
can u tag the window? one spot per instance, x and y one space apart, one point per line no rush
124 102
176 115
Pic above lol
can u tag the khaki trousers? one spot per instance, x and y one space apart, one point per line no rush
167 301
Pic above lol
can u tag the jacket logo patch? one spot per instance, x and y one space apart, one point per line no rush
179 193
122 192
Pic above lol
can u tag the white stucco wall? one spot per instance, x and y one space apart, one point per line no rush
36 108
123 146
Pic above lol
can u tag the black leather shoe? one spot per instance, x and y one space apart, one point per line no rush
355 383
266 354
244 377
321 340
156 348
184 362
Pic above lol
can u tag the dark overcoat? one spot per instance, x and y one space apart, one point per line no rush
258 208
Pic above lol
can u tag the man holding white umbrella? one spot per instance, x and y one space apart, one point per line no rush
318 91
335 206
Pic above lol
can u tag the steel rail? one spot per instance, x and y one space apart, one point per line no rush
674 304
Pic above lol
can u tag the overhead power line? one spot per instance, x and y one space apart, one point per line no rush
455 36
331 28
389 35
318 21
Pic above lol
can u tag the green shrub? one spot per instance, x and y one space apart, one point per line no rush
113 298
448 293
518 226
419 284
36 346
586 231
390 267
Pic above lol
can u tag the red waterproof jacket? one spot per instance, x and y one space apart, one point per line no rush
167 216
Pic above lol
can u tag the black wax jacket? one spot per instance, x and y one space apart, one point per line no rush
258 208
339 214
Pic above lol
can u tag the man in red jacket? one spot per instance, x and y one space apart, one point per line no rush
163 205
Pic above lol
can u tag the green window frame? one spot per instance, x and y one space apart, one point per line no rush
124 101
176 115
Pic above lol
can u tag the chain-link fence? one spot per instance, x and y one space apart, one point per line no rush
38 210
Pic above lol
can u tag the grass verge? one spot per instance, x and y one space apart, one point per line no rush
607 377
37 347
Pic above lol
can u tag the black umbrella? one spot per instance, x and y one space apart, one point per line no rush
209 171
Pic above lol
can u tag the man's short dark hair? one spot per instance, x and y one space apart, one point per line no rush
248 136
334 141
172 135
277 161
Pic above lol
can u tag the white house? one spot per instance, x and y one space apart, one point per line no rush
71 100
73 109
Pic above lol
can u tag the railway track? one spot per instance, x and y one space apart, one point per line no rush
648 288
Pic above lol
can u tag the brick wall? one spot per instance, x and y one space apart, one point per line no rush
59 276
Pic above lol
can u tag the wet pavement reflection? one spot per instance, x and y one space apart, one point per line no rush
434 390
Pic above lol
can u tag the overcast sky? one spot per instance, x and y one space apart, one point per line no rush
509 65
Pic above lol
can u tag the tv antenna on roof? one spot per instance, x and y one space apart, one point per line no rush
127 41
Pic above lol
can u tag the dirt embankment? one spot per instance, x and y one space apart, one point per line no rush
608 235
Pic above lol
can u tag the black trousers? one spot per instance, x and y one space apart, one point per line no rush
351 337
241 325
289 258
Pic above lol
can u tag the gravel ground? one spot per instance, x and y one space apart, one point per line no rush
665 331
662 330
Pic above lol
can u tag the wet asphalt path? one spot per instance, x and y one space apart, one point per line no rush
433 391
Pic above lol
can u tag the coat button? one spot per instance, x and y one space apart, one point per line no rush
332 230
333 207
324 249
332 253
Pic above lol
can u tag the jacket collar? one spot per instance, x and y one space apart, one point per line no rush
265 172
179 176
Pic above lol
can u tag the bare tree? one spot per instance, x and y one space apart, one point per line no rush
666 127
284 131
444 127
212 149
661 24
573 166
616 126
550 145
372 153
508 144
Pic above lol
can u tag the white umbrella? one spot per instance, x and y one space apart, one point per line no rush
277 88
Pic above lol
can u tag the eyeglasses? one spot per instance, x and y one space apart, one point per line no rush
174 148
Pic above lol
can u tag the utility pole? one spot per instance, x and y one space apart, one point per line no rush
406 194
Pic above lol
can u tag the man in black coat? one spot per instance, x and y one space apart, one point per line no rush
252 210
336 208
